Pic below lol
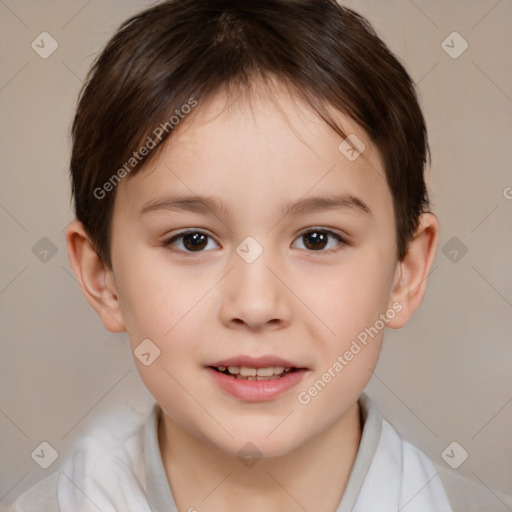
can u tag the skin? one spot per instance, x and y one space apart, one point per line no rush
305 305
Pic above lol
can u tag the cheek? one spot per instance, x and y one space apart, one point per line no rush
153 295
351 305
164 303
350 298
158 307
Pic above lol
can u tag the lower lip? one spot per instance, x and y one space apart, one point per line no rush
256 390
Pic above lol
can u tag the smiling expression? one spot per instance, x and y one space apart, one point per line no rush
253 235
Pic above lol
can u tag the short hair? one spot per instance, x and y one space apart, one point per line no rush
180 51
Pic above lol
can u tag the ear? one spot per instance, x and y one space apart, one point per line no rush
411 274
95 279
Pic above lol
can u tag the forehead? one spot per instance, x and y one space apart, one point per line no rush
265 145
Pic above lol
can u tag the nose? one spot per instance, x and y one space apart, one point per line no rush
254 296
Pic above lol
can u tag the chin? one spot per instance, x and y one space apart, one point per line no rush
255 444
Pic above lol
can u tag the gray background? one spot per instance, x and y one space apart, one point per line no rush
444 377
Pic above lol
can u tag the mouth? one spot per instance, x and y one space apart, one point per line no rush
256 379
255 368
251 373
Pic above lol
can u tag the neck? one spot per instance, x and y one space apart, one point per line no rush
312 477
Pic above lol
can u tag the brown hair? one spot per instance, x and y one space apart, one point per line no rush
163 58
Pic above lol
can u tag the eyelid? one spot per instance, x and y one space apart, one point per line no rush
342 238
168 239
323 228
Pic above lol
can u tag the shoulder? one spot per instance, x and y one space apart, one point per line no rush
463 494
419 487
468 495
41 496
105 462
400 474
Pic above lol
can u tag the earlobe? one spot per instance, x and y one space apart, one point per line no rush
412 272
95 279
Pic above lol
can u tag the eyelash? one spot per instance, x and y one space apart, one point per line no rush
342 242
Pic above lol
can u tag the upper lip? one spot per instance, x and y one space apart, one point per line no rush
255 362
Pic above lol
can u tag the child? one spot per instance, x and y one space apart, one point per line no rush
251 209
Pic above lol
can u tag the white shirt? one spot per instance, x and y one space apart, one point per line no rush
117 466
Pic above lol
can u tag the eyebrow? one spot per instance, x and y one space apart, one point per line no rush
207 204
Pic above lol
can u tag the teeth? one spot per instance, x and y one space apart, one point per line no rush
247 372
255 373
267 372
258 377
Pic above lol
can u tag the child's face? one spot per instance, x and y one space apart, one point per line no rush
296 301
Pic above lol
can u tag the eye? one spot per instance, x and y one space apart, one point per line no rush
192 240
316 239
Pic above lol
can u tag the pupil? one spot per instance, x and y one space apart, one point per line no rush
315 237
194 241
313 240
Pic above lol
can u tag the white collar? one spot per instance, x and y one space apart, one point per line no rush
118 466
